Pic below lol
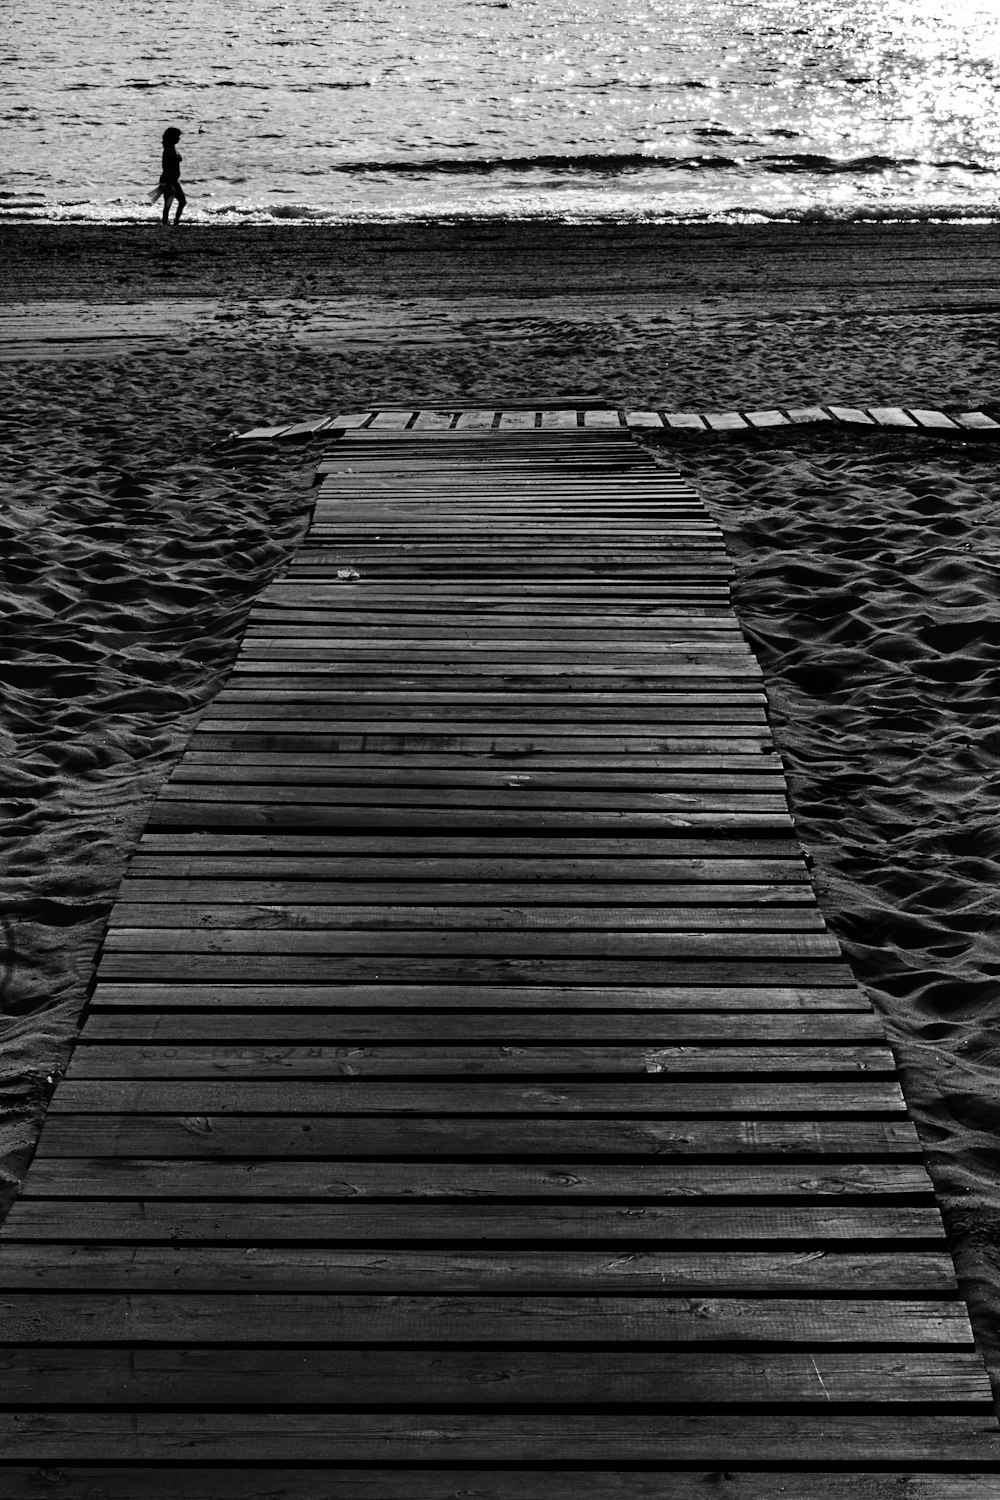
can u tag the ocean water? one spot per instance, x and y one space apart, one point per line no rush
569 109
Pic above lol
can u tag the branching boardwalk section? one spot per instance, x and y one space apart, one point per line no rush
473 1101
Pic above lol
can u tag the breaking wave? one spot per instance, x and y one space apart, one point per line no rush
612 163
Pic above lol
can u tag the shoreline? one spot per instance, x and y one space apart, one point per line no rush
884 267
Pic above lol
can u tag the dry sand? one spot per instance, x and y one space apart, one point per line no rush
137 534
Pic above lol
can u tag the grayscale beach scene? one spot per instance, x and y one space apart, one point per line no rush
500 871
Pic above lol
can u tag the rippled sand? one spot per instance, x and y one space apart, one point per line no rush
868 586
136 534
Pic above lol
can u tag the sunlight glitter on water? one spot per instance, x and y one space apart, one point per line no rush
643 108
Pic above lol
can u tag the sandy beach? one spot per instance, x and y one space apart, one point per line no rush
137 533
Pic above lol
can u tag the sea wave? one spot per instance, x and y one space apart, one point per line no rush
611 163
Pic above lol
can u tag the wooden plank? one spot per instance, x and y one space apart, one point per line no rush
976 421
329 632
293 1029
512 968
328 870
306 428
287 1137
261 433
468 419
343 1096
341 1481
692 622
502 487
477 446
545 1222
443 1181
693 551
545 458
686 858
351 419
451 943
712 768
649 515
445 769
454 1059
151 1317
517 419
550 591
194 813
807 414
752 996
561 419
513 516
295 778
522 536
724 421
853 414
933 419
745 773
582 563
396 1437
501 625
551 594
404 916
504 496
594 417
891 416
413 890
643 419
43 1268
766 419
441 719
435 421
684 419
318 738
289 642
728 722
585 714
469 1378
390 419
534 456
375 695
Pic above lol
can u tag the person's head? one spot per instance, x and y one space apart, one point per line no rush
171 136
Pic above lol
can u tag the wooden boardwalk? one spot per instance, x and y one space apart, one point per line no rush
444 419
473 1101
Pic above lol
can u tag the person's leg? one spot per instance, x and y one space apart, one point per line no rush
181 200
167 200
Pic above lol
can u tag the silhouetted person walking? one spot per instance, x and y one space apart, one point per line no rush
170 176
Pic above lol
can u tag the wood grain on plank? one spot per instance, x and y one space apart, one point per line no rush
308 881
37 1267
340 1481
297 1437
536 1378
652 1096
348 970
277 1136
312 1318
110 1177
481 1060
539 1222
233 1028
819 993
